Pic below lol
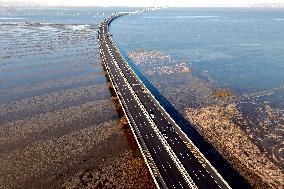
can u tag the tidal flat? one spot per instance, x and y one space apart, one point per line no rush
58 125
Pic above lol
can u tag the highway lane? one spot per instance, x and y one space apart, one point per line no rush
172 176
197 170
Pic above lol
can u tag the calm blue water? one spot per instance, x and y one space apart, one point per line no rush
42 44
240 49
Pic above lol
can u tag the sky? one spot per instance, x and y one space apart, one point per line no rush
145 3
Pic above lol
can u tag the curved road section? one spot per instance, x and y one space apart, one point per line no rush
173 160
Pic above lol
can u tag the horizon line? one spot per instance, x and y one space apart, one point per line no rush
130 6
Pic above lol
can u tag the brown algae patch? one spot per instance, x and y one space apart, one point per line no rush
43 158
54 100
156 62
49 84
222 93
216 125
30 128
265 128
134 171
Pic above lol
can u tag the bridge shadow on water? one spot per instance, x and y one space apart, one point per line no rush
234 179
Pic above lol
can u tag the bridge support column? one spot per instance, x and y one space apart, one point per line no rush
112 91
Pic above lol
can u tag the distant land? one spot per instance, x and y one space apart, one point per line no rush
15 3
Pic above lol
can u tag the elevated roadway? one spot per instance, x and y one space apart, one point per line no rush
173 160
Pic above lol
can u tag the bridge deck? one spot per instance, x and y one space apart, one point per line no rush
179 164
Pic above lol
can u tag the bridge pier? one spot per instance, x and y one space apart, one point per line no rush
122 118
111 89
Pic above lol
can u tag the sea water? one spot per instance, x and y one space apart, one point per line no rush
236 52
